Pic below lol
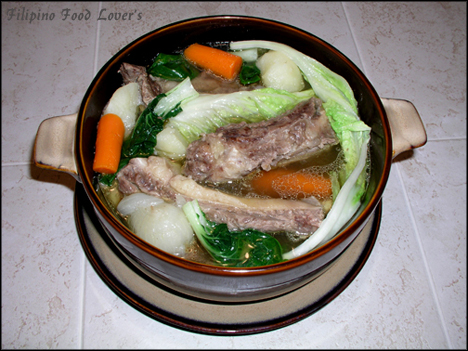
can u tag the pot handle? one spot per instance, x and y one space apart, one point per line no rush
406 126
54 145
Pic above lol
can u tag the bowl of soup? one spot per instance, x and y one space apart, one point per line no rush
231 158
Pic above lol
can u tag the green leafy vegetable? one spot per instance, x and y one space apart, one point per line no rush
249 73
247 248
172 67
143 138
341 108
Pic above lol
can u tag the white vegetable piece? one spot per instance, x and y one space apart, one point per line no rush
171 144
131 203
249 55
158 223
124 103
278 71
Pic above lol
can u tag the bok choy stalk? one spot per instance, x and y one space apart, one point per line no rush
207 112
247 248
151 121
354 135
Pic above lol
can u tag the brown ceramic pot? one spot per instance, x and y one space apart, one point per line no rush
384 116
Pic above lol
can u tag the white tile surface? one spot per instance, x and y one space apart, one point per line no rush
46 69
417 51
442 233
410 294
42 260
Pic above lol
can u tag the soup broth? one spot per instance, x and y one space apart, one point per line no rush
322 164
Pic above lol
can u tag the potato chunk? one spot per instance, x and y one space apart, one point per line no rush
278 71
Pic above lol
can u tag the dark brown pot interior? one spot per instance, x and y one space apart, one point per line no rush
221 30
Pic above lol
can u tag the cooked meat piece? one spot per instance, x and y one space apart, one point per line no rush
207 83
149 88
299 221
265 215
157 176
235 150
149 175
165 84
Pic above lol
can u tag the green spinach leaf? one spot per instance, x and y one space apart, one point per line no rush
249 73
143 138
172 67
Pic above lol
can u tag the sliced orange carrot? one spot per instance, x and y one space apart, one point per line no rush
285 183
263 183
110 134
219 62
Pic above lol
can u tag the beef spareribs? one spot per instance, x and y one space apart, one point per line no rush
235 150
156 176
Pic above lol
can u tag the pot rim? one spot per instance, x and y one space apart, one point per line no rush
352 226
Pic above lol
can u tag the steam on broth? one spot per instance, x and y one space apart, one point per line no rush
236 193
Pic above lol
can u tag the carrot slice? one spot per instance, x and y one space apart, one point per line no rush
109 140
285 183
219 62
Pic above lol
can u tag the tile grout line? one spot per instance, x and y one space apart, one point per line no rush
460 138
83 270
423 255
14 164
